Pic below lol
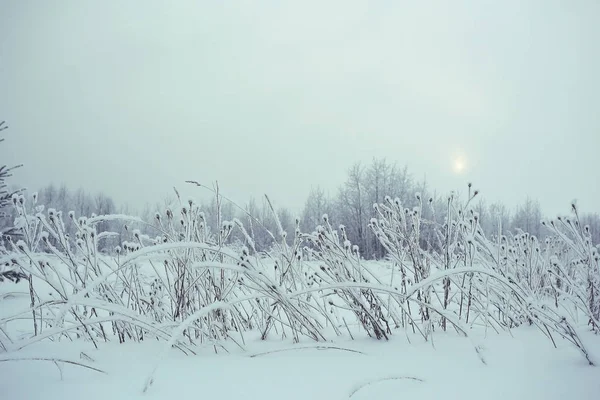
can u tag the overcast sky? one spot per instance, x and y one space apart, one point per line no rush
134 97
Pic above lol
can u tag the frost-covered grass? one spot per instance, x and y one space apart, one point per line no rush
191 290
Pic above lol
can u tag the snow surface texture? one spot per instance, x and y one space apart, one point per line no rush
521 367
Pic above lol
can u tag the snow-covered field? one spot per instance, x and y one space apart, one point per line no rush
188 315
521 367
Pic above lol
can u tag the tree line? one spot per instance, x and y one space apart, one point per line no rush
351 205
369 184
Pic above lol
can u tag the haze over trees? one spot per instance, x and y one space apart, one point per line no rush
351 204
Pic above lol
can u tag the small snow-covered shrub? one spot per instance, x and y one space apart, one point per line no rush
5 173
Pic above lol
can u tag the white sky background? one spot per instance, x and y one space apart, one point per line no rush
132 98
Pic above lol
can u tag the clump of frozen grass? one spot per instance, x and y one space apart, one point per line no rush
498 284
188 286
152 285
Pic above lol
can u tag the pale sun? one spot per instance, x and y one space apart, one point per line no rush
459 165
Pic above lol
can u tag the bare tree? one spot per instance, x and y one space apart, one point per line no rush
500 217
378 183
528 217
353 206
316 205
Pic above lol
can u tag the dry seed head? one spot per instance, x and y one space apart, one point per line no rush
21 245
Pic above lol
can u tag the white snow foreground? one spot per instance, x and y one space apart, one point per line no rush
520 367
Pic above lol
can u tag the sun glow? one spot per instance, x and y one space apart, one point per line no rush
459 165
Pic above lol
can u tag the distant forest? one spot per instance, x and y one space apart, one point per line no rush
352 206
